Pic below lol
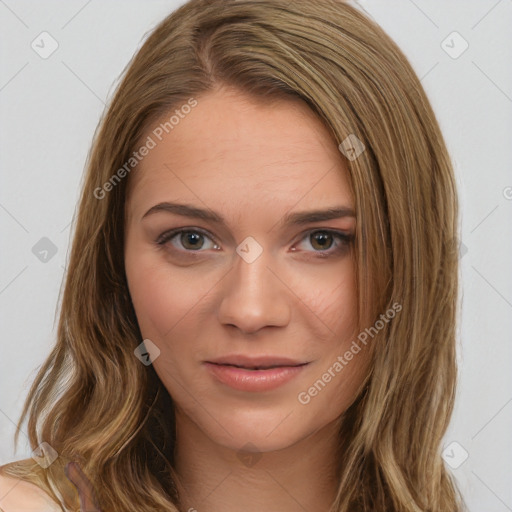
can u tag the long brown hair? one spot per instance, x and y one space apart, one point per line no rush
94 402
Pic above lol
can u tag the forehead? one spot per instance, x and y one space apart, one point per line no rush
231 149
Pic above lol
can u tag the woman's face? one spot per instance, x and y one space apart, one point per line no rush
254 303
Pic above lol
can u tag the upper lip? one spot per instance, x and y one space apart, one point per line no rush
243 361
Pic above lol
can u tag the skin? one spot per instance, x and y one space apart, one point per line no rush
253 163
17 495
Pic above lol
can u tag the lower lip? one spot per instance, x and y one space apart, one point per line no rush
253 380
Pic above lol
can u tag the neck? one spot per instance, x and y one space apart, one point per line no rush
215 478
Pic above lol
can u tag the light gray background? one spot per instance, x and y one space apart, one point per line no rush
50 108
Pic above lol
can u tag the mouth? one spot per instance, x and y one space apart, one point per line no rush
257 363
254 374
253 368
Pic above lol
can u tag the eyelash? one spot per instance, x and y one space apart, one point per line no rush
345 240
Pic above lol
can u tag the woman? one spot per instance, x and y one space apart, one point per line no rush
259 312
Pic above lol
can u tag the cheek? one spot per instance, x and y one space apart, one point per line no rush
156 305
331 299
343 361
164 302
162 297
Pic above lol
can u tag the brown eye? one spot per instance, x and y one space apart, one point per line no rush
191 240
186 240
324 243
321 240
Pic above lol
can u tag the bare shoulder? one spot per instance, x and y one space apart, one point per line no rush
19 496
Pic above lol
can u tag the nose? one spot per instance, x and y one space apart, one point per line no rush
254 296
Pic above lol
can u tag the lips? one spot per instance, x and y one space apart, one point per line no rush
254 374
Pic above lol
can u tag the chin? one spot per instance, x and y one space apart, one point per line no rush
256 428
253 439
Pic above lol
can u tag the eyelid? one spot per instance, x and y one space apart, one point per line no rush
334 231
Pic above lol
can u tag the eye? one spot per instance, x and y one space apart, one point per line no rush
323 241
187 240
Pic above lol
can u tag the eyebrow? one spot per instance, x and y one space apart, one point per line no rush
295 218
